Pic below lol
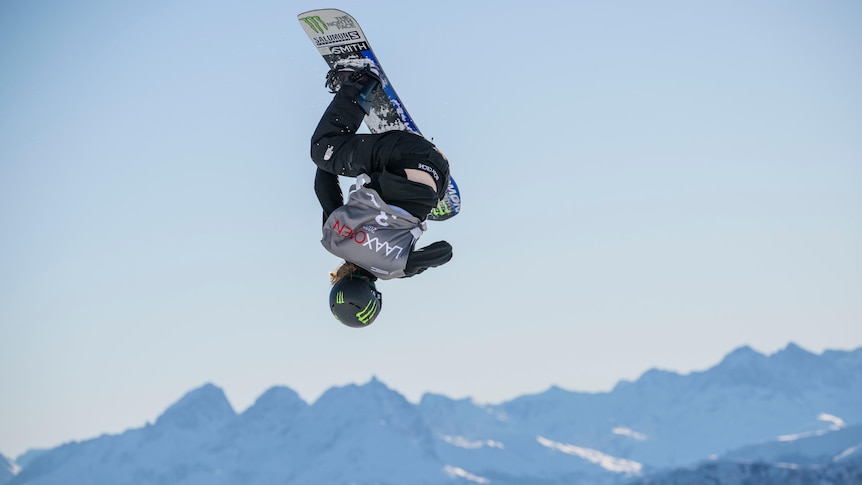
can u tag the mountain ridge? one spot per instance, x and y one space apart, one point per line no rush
370 433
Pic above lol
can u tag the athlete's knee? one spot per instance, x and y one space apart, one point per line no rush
323 145
320 154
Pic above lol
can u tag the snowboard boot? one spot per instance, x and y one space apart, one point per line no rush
360 73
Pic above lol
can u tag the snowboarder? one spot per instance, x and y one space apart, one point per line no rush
401 176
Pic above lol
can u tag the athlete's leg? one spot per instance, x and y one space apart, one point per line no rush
335 146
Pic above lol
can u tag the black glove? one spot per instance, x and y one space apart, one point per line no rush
433 255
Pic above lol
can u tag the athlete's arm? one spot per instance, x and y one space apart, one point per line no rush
328 192
431 256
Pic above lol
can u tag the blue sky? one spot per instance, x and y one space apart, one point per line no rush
645 184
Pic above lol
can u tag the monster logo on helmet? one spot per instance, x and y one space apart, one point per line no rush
355 301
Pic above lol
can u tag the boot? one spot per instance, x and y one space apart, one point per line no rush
361 73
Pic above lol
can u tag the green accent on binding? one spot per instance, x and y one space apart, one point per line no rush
316 23
442 209
368 313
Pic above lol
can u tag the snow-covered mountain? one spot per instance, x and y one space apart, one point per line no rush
666 419
370 434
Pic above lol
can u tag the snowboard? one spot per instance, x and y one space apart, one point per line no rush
337 36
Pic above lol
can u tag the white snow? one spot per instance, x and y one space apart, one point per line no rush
462 442
608 462
456 472
624 431
847 452
837 423
794 437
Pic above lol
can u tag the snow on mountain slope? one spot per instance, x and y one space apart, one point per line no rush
205 407
179 448
484 441
747 398
7 470
833 457
370 434
354 433
814 449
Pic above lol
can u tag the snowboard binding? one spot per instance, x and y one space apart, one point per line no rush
361 73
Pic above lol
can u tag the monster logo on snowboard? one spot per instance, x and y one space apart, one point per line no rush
337 36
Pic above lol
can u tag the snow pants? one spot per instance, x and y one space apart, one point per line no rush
337 149
335 146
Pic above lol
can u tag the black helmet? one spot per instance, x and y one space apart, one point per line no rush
355 301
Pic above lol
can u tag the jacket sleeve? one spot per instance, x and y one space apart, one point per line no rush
431 256
328 192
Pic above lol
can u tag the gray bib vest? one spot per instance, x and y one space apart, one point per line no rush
371 234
